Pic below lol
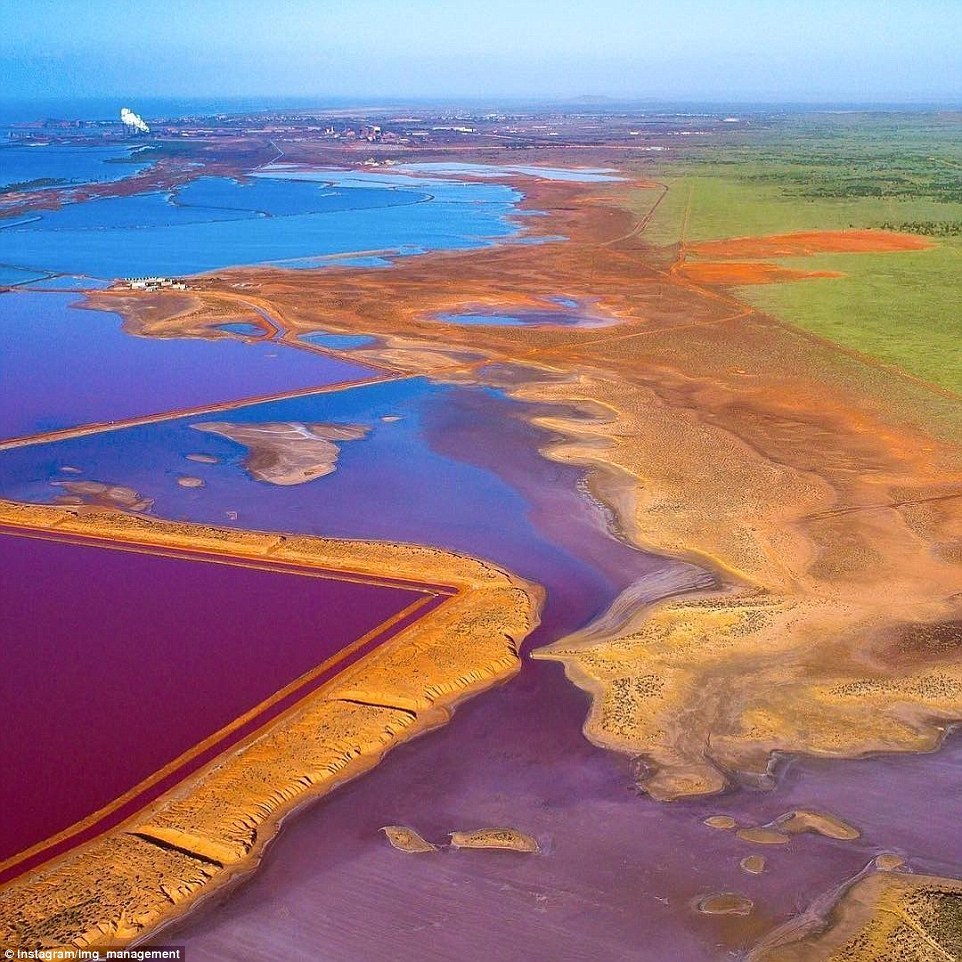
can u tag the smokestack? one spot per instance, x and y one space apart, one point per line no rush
134 121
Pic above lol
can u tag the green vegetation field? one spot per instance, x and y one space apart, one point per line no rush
904 309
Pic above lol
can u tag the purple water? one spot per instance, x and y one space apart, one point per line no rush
61 367
114 662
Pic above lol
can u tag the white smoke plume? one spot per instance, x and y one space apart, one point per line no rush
129 119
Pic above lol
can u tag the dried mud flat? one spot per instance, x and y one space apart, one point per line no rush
287 453
824 492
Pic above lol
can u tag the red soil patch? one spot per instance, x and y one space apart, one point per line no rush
734 274
811 242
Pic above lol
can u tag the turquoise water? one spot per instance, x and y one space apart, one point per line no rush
62 367
339 342
215 223
67 165
241 327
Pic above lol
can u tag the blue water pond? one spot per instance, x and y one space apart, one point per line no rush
67 165
218 222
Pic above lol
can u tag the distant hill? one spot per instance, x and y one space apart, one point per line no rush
593 100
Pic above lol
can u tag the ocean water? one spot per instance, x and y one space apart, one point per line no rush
15 276
27 110
66 282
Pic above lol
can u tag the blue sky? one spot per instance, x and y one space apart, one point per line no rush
800 50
